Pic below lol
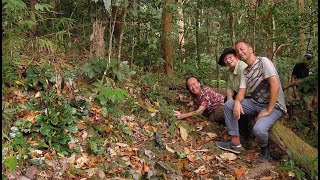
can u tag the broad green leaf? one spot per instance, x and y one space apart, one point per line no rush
45 130
11 163
54 120
121 162
104 111
72 128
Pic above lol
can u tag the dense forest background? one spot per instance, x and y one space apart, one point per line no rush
76 73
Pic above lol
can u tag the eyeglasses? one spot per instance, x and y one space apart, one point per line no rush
228 58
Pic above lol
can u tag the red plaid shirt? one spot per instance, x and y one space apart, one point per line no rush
209 99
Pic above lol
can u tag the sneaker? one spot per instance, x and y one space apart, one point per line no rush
228 146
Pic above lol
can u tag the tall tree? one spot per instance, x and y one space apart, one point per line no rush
181 31
167 37
197 31
302 36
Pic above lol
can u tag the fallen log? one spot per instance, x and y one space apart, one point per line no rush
297 149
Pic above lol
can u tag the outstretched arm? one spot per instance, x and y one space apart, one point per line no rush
189 114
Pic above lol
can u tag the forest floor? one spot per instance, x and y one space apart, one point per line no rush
136 137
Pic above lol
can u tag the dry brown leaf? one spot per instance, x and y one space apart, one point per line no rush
183 133
212 135
145 167
169 149
122 144
266 178
31 171
80 162
33 143
201 169
191 157
239 172
228 156
38 94
186 150
150 108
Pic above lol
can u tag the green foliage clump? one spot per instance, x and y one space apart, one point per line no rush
96 145
110 98
119 71
58 122
40 77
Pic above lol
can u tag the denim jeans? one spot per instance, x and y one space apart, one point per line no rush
261 126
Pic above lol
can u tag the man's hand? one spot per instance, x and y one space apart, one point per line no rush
178 115
263 113
237 110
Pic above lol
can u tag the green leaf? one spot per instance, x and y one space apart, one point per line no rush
121 162
21 141
11 163
104 111
72 128
45 130
125 129
62 141
55 120
77 149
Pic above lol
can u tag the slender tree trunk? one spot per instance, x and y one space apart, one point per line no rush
197 32
167 38
33 15
217 54
254 29
111 31
208 32
122 29
231 22
302 35
181 33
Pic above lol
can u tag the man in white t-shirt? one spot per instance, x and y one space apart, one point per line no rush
261 82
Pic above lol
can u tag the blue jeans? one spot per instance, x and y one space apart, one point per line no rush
261 127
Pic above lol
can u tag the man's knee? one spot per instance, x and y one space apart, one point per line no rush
259 131
229 104
218 115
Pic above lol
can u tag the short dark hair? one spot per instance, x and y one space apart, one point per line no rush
244 41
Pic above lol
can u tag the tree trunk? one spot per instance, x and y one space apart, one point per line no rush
302 35
181 33
33 15
197 33
231 23
97 40
123 24
217 54
167 38
298 150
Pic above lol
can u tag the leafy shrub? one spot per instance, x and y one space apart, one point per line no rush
117 70
40 76
57 122
96 145
9 69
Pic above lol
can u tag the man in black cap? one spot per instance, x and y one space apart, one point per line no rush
229 58
301 71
